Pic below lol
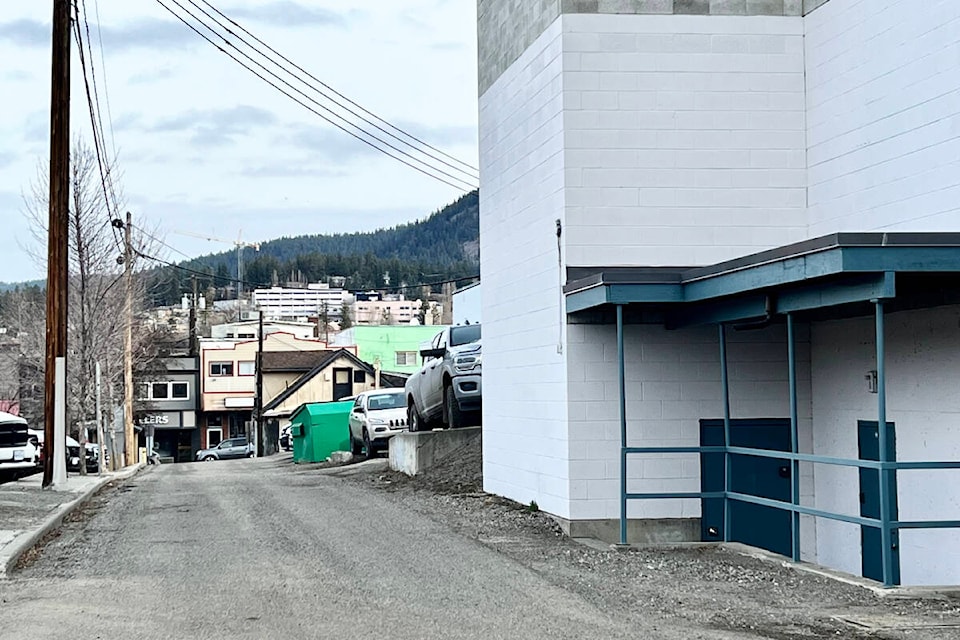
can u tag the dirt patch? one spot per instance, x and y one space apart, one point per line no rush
713 591
78 516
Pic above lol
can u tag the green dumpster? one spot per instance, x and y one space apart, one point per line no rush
320 428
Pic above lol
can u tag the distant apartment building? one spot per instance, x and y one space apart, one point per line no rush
284 303
374 309
248 329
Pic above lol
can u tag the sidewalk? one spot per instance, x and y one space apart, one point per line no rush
28 512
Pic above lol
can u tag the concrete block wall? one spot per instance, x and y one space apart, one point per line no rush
684 137
672 382
923 356
883 101
525 443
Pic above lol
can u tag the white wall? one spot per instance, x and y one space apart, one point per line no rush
923 356
525 446
672 382
883 98
684 137
467 305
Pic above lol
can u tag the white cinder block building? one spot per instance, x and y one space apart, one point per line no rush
713 225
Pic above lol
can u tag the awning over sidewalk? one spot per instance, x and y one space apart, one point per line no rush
829 272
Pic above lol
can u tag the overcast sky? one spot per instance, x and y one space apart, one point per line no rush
206 147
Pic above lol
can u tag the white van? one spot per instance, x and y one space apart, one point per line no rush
19 447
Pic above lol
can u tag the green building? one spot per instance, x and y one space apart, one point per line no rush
397 347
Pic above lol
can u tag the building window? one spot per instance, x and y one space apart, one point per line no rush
159 390
180 390
221 368
359 376
406 358
246 367
215 420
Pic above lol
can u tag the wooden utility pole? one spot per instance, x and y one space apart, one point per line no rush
57 229
129 439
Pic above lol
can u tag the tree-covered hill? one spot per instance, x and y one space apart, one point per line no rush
444 245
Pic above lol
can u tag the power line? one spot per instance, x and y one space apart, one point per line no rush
103 66
326 86
431 172
94 119
162 242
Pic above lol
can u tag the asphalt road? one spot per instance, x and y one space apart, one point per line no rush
251 549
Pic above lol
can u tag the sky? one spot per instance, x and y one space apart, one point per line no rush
204 147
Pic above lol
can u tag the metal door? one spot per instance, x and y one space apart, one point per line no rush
868 445
756 525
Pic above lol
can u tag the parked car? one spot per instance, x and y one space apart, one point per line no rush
231 448
19 448
376 417
447 390
286 439
73 456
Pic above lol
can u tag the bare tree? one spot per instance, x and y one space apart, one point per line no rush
97 296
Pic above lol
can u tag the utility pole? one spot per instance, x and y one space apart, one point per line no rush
259 421
54 422
101 441
129 440
194 342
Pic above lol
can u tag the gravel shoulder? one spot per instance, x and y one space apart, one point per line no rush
709 590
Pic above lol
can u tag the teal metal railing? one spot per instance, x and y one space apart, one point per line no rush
885 466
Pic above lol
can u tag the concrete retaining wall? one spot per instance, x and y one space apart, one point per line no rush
412 453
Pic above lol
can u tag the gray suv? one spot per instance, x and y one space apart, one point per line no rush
232 448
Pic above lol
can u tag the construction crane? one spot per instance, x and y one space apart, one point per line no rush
240 245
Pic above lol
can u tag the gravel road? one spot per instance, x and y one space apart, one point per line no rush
266 549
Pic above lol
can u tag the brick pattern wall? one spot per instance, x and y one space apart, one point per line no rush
685 137
923 355
525 446
507 27
673 381
883 99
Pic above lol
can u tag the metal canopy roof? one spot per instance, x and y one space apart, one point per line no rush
838 269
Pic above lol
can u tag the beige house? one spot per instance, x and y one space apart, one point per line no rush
228 371
293 379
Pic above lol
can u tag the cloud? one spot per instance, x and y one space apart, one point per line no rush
289 14
17 75
441 136
7 158
292 168
26 33
325 142
215 127
447 46
151 33
151 76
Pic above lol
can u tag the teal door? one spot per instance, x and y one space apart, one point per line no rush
868 439
756 525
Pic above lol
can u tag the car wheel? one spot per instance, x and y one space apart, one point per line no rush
250 455
355 446
209 458
413 418
368 444
451 409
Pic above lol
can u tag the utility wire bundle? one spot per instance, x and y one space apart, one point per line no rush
293 81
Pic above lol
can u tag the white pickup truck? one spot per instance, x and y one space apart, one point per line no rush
447 390
19 447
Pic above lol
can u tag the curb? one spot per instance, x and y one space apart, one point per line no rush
28 539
